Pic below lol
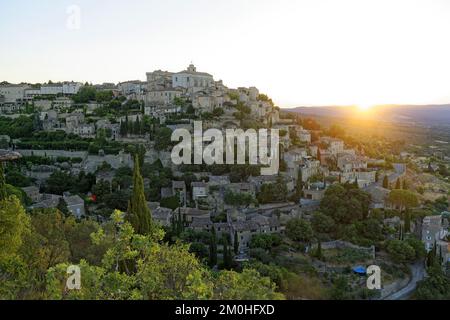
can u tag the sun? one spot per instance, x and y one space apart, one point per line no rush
364 106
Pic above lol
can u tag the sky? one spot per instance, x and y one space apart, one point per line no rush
299 52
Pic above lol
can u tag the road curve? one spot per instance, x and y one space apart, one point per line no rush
417 274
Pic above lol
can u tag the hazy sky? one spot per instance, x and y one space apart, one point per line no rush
314 52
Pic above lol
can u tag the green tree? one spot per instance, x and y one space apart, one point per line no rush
58 183
400 251
78 236
418 247
46 245
322 223
436 286
170 202
248 285
403 199
86 94
103 96
265 241
341 289
299 230
163 138
162 272
238 199
345 203
273 192
138 213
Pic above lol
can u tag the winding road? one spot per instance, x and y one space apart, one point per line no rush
417 274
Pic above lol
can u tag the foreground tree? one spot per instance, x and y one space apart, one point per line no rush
162 272
14 225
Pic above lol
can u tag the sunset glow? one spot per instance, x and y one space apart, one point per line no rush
365 106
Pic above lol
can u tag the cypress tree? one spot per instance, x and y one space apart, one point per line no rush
3 193
407 221
123 128
226 254
130 127
299 183
137 127
213 248
173 224
236 243
430 258
230 258
140 153
180 223
405 185
385 182
319 250
398 184
139 214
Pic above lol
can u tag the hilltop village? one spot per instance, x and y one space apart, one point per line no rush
336 205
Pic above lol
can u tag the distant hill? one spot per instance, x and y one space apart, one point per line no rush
428 115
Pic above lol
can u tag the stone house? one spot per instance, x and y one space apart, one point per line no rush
199 190
33 193
75 204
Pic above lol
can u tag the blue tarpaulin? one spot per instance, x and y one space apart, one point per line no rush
359 270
